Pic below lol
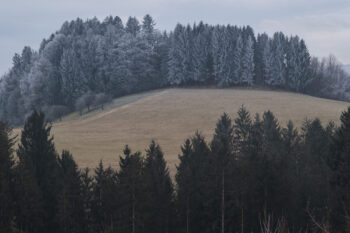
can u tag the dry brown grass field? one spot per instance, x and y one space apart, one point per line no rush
171 115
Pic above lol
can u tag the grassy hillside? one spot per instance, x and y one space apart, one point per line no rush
171 115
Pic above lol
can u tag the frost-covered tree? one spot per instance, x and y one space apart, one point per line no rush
278 60
248 62
298 65
218 52
133 26
108 57
148 24
236 58
177 56
267 62
202 57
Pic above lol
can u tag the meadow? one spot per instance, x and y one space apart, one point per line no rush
169 116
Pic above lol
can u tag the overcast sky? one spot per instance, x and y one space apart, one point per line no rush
324 24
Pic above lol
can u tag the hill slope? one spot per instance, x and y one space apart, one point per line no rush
171 115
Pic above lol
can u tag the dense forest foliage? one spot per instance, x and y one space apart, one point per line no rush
253 176
86 63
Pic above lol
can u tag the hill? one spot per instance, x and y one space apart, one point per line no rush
171 115
111 58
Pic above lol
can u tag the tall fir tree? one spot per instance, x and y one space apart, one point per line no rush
70 213
160 191
37 154
131 189
248 62
339 162
7 202
104 202
222 149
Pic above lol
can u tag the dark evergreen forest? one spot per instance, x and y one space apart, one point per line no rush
253 176
86 63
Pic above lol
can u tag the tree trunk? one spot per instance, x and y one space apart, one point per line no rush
242 222
223 203
188 216
133 212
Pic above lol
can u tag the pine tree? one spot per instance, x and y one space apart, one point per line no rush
38 156
339 162
218 53
305 61
29 211
132 26
293 68
196 187
87 185
248 62
104 204
148 24
237 62
278 60
242 131
160 190
222 148
203 64
185 186
177 56
70 215
267 63
7 202
131 189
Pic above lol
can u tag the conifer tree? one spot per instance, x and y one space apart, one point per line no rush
105 196
7 202
237 62
185 186
159 189
148 24
177 56
87 185
278 60
242 130
38 156
131 189
222 148
29 208
70 215
196 187
132 26
248 62
339 162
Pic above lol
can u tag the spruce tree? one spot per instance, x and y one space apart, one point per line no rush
312 170
222 148
87 185
339 162
131 188
29 208
159 190
196 187
132 26
148 24
242 131
70 215
248 62
185 187
38 156
104 204
7 202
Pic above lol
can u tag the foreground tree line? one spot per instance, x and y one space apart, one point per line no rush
253 176
86 63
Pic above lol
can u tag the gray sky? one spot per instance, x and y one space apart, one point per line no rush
324 24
